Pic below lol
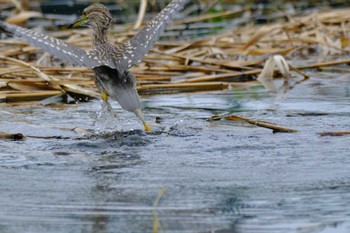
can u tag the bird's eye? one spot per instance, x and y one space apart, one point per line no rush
84 13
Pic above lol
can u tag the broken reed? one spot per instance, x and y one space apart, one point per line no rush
226 60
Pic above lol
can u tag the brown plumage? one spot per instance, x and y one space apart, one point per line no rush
110 63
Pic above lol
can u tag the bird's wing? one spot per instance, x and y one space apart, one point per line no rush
57 48
135 49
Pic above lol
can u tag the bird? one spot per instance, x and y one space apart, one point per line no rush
111 64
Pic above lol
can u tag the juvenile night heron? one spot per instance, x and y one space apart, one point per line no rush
110 63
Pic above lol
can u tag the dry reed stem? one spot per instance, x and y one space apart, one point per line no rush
210 16
339 133
141 14
22 63
8 136
27 96
216 62
274 127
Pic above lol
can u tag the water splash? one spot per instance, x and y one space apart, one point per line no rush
107 119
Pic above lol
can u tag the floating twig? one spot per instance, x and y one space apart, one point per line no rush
339 133
15 137
264 124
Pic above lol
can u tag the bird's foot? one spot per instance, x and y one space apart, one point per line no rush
104 96
139 114
147 127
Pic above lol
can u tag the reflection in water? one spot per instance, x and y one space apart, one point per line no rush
105 172
99 223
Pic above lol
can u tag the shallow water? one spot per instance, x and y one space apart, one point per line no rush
220 176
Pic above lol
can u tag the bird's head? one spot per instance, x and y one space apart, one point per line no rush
96 15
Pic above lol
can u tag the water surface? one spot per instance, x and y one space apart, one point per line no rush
220 176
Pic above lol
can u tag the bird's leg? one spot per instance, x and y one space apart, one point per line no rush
107 119
139 114
104 97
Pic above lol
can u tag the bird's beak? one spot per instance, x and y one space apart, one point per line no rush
139 114
78 23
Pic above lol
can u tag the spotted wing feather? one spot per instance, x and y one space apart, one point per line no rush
135 49
57 48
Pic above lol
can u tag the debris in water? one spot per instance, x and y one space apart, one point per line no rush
264 124
267 74
15 137
339 133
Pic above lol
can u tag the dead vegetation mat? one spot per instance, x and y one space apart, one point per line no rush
229 59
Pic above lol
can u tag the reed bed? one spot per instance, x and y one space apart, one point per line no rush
226 60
